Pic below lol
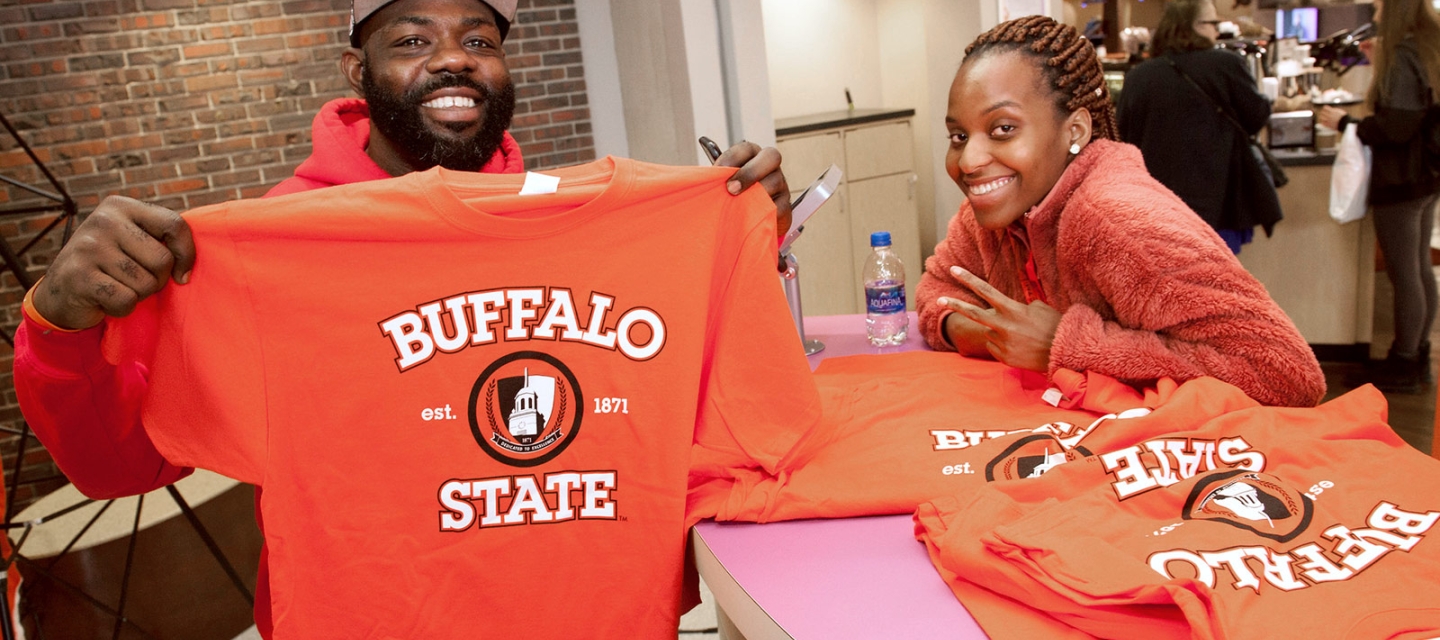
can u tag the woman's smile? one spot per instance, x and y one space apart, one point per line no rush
983 187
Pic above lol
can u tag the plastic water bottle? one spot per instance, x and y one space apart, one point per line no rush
885 321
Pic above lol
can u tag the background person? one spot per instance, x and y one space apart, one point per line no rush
1403 187
1067 254
1187 146
436 92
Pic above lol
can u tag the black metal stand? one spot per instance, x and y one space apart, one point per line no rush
62 202
65 205
117 612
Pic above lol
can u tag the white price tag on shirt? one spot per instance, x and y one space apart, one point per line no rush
539 184
1052 396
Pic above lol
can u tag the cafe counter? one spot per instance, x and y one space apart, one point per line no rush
1320 272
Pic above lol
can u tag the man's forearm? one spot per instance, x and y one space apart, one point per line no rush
87 413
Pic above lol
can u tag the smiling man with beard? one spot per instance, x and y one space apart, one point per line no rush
449 119
435 88
401 119
436 92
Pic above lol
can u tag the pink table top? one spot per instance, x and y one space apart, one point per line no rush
845 336
846 578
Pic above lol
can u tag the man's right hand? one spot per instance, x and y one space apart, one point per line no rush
124 252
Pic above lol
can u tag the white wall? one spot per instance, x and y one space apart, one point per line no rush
747 72
703 57
817 48
602 78
725 55
891 54
654 80
924 42
906 83
684 72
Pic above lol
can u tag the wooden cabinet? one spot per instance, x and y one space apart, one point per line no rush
874 149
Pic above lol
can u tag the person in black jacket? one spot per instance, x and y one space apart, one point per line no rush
1404 183
1188 146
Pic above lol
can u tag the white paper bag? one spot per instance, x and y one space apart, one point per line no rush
1350 179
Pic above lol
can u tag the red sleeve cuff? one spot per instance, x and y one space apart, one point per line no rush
27 308
59 354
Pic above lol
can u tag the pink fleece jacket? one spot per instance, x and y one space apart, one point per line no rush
1146 289
86 410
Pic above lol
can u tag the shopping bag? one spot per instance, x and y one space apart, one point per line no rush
1350 179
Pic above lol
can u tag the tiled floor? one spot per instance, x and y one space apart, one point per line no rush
1412 416
699 624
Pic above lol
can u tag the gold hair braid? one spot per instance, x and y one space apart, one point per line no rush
1070 64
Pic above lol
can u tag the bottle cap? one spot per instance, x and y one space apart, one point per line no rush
880 239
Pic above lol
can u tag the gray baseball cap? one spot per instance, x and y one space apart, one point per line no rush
362 9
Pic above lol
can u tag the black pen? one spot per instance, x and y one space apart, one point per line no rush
712 150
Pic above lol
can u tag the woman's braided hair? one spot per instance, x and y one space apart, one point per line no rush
1070 64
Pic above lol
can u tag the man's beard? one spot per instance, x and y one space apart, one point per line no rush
399 119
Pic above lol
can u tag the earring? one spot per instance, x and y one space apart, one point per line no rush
1075 149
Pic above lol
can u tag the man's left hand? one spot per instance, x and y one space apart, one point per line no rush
763 166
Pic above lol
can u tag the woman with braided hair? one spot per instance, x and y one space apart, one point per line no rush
1067 254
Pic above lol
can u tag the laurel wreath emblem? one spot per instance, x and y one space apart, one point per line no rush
560 391
490 401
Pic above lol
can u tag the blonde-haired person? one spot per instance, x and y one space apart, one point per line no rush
1189 147
1067 254
1403 187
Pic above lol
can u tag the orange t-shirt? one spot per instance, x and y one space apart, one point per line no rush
1324 530
475 413
902 429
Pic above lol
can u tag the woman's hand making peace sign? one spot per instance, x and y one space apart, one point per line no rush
1015 333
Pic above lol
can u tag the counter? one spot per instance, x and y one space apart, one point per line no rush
836 119
1320 272
1304 158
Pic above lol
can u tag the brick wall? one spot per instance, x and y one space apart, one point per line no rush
190 102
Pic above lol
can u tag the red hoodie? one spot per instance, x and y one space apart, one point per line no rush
340 136
87 411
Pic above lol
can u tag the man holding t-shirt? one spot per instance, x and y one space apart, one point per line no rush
436 92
